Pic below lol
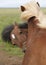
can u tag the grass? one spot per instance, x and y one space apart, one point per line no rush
7 17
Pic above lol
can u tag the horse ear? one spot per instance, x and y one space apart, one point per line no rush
38 4
15 24
22 8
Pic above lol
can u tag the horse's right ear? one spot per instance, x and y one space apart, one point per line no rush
22 8
15 24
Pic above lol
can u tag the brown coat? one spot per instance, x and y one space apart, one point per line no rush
36 46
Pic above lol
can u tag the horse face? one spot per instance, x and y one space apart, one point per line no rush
29 10
18 36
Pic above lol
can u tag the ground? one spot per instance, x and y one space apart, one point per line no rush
6 59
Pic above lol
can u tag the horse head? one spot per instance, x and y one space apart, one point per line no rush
19 35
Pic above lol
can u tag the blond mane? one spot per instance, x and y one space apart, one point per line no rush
32 9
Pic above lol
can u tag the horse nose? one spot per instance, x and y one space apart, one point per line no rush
14 44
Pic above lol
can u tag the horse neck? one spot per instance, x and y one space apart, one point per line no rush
32 29
32 32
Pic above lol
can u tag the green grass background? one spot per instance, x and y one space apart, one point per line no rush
7 17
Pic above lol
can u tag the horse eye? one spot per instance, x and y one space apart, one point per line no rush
20 32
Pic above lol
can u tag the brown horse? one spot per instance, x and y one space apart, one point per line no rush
17 30
36 47
19 35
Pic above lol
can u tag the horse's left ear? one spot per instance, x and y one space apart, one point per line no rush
38 4
22 8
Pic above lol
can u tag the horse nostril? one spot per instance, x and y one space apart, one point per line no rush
24 51
14 44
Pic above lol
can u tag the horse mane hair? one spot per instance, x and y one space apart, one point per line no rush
6 33
23 26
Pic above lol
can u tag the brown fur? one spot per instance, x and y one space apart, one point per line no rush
20 37
36 49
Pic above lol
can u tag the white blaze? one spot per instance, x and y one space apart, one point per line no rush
13 36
